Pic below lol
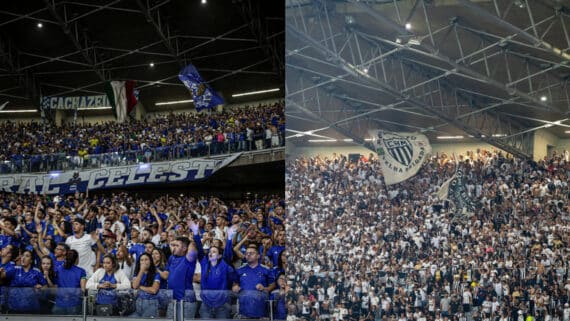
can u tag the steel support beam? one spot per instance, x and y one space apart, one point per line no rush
435 53
10 57
484 14
79 40
272 47
398 95
164 35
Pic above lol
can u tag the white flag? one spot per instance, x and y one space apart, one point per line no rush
443 192
401 154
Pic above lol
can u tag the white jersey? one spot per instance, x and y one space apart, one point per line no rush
83 247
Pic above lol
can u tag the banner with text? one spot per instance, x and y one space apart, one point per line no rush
75 102
114 177
401 154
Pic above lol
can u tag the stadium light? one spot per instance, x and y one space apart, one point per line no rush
94 108
19 111
450 137
321 140
174 102
256 92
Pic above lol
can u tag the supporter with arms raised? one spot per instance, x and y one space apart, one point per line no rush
81 241
181 266
217 277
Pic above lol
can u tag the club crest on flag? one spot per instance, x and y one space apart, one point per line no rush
401 154
203 95
400 149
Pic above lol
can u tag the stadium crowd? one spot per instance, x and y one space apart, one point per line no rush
31 147
366 251
204 256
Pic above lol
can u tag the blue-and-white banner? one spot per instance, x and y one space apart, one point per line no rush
74 102
401 154
203 95
114 177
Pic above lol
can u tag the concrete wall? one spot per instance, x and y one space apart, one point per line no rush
542 139
328 150
563 144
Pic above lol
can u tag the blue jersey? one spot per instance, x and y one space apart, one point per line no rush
22 294
252 302
5 240
216 282
68 286
163 282
143 294
180 277
107 296
276 271
181 273
274 253
137 249
280 311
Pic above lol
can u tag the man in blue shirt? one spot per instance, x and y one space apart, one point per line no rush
181 266
255 284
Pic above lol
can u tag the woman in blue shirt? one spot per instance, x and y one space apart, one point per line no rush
48 294
279 297
147 282
24 284
159 261
71 281
217 277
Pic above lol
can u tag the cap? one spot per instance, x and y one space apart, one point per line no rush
109 234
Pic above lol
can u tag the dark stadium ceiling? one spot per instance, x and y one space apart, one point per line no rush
236 45
495 71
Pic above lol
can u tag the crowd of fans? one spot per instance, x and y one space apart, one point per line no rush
161 257
366 251
32 147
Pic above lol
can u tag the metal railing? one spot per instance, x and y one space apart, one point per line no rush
49 303
64 162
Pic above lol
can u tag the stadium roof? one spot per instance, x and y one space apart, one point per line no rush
495 71
71 47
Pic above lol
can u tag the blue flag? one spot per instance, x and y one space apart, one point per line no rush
204 96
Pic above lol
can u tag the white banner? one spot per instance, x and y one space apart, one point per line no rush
401 154
114 177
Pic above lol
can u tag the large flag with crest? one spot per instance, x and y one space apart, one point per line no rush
203 95
401 154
